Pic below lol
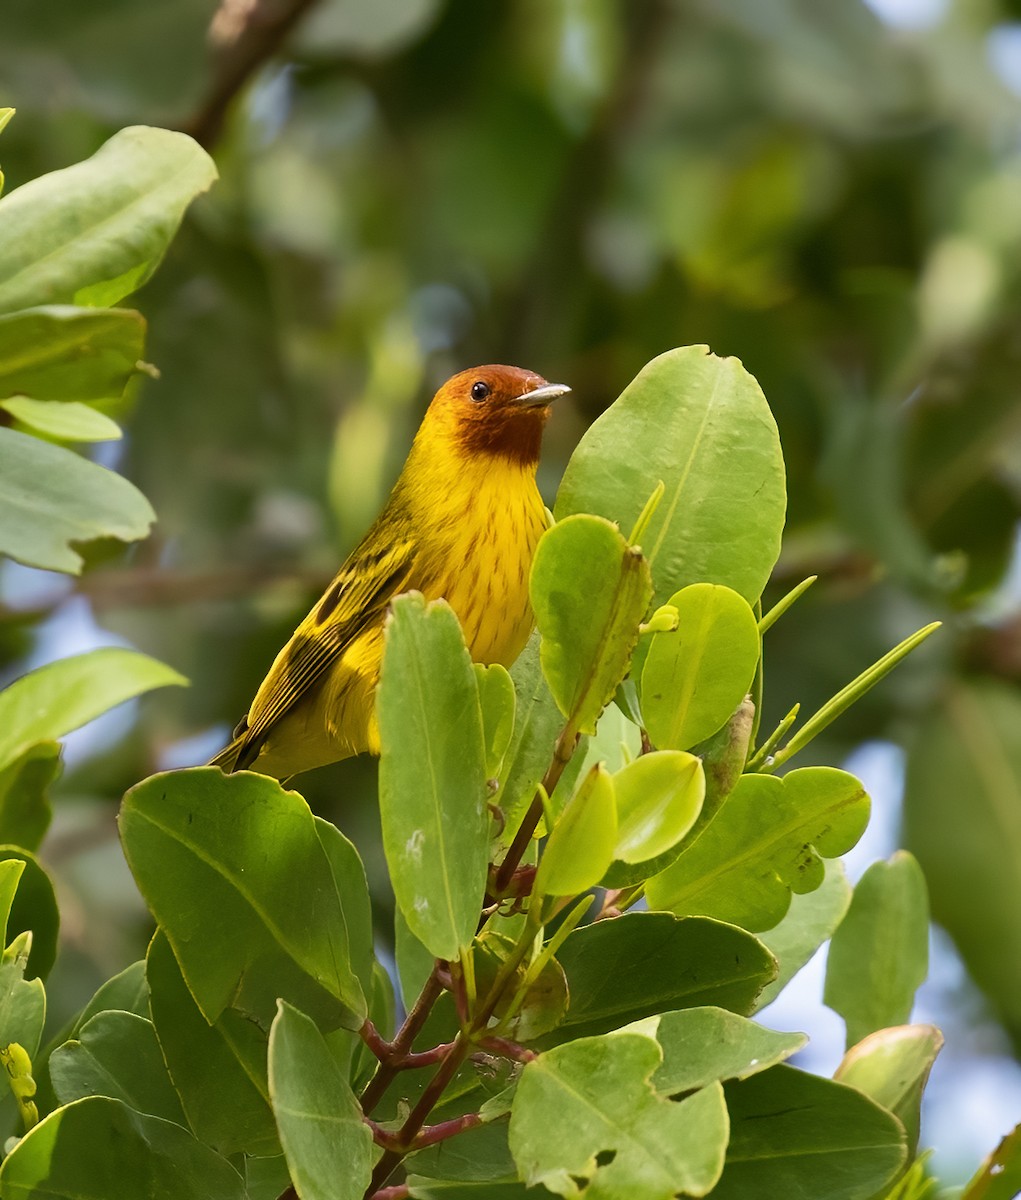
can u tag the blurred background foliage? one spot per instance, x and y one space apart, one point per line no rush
828 189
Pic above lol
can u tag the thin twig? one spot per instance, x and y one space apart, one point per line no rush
401 1045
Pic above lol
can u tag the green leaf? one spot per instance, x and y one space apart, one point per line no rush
963 779
707 1045
580 847
764 843
271 924
71 422
116 1055
589 591
328 1146
414 962
24 801
879 955
591 1101
92 233
67 353
659 797
52 700
441 1189
496 699
480 1155
849 695
999 1177
892 1066
127 991
799 1136
544 1002
537 722
219 1070
701 425
809 921
34 908
353 892
695 677
432 775
22 1001
68 1156
50 497
645 963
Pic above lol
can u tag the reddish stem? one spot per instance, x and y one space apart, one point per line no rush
401 1045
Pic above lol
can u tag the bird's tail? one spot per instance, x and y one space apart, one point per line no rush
229 756
227 759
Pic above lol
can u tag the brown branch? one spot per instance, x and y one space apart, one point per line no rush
249 34
401 1045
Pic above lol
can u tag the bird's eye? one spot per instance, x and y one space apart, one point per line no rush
480 390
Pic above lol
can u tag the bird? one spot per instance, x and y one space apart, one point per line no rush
461 523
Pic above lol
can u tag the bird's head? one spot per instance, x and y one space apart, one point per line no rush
495 410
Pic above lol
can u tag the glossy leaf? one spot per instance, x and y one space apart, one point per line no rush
455 1189
34 908
414 962
999 1177
849 695
73 422
328 1146
809 921
67 1157
659 797
432 775
793 1134
52 700
219 1070
645 963
479 1155
537 722
24 794
695 677
589 591
92 233
765 842
496 698
545 999
585 1114
705 1045
68 353
969 747
116 1054
879 955
272 924
892 1066
701 425
127 991
353 892
22 1001
581 845
50 498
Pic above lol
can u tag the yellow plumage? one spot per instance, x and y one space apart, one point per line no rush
462 523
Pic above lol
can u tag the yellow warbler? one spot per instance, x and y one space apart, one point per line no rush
462 522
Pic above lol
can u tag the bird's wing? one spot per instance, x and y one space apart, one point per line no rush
357 598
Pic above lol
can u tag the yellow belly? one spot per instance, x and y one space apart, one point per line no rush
484 578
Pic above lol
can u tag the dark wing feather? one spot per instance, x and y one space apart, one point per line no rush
356 599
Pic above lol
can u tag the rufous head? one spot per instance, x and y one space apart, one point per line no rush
496 410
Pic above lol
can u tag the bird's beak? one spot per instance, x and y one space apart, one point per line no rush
541 396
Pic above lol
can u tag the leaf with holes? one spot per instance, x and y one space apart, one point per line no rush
765 842
585 1115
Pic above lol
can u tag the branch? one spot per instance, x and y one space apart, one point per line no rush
401 1045
248 33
